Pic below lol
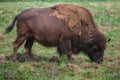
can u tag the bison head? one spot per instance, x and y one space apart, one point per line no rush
95 47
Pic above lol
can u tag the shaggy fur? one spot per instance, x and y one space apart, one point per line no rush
71 28
76 16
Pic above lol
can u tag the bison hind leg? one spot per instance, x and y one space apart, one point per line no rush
17 43
28 46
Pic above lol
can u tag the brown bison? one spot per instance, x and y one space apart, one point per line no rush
71 28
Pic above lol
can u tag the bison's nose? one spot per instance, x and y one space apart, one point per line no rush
98 61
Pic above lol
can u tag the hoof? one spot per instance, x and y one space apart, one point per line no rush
31 59
14 58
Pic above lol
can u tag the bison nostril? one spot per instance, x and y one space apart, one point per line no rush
99 61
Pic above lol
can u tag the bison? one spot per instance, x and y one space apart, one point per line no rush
71 28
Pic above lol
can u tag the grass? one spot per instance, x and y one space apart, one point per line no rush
46 65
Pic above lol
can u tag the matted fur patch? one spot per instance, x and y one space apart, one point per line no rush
73 14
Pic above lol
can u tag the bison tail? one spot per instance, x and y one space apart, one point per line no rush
8 30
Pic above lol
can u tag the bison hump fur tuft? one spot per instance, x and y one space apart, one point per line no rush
77 18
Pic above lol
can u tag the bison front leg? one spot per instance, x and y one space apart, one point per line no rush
65 48
28 46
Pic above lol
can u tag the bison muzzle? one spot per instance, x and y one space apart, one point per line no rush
71 28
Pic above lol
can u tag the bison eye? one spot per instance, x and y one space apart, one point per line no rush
95 48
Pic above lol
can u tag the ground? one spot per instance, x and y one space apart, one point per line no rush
47 65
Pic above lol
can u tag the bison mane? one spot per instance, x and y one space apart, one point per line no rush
77 18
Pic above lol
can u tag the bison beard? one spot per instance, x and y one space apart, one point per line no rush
69 27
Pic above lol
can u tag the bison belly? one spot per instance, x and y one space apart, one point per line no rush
47 29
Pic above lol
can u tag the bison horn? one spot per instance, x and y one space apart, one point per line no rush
108 39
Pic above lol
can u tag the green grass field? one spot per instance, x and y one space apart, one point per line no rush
46 65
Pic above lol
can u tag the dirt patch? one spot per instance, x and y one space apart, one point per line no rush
95 65
2 37
86 65
118 57
73 66
24 57
2 58
110 65
117 47
108 58
113 64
